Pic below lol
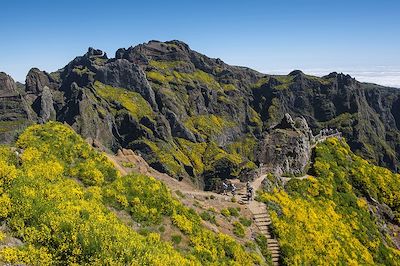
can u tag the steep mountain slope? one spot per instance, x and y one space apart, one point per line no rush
62 203
193 116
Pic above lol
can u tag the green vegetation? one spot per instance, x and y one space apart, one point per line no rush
207 216
327 218
6 126
245 222
229 87
225 212
260 82
262 243
235 212
127 193
171 79
133 102
176 239
208 125
238 229
157 76
274 110
284 80
170 72
81 70
172 158
245 147
128 164
166 65
324 81
59 197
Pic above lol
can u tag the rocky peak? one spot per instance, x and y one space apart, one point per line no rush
15 112
7 85
36 80
96 53
296 73
155 50
286 148
286 123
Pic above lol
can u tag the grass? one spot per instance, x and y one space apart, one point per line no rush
137 106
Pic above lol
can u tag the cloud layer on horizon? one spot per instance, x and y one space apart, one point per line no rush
385 76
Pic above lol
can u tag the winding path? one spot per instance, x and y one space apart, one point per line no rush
262 219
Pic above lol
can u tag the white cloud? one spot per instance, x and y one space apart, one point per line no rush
382 75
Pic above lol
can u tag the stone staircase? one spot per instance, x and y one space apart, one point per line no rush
261 219
263 222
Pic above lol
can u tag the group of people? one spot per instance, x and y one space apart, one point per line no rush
328 131
232 187
226 187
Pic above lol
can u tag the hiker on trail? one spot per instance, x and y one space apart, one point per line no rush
233 190
225 187
250 193
248 185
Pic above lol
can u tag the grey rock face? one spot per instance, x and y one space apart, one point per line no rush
14 110
47 110
286 148
124 74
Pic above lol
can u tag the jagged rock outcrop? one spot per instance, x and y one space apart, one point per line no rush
15 113
286 148
194 116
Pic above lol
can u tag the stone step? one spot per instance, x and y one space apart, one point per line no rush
265 232
259 217
264 229
275 259
263 220
274 249
263 226
260 214
267 224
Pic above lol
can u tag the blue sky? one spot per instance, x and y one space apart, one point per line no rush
358 37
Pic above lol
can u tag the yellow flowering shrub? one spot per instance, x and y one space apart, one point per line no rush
326 218
64 222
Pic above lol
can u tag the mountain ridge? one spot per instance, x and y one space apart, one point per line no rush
195 117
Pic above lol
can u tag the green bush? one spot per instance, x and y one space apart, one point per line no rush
207 216
225 212
244 221
238 229
235 212
176 239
